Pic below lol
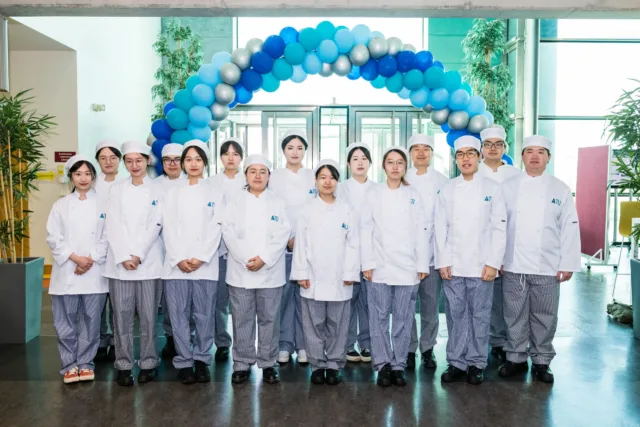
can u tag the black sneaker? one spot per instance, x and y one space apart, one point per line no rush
270 376
202 372
111 355
398 379
452 374
542 373
146 375
384 376
475 375
239 377
186 376
509 369
333 377
499 354
411 361
169 349
429 359
222 354
353 356
124 379
365 355
101 355
317 377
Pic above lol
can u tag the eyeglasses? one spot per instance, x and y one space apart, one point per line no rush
468 154
170 161
396 163
493 145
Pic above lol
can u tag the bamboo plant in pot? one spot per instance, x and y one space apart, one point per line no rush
21 155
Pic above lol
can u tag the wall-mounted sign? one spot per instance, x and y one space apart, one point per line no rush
63 156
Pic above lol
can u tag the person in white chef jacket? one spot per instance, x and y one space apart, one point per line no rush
395 254
326 264
493 167
256 230
134 262
191 232
470 228
295 185
428 182
353 190
78 290
231 182
543 250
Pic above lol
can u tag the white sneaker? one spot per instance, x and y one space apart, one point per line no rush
302 356
283 357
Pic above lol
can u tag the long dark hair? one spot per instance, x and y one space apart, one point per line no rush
200 152
404 157
364 150
291 138
78 165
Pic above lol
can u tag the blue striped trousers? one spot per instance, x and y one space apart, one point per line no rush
429 290
498 330
106 324
291 331
359 318
326 324
222 337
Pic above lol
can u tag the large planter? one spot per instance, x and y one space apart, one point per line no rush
20 300
635 296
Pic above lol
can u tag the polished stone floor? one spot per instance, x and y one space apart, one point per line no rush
597 384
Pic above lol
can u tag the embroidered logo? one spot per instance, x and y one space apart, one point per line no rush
211 204
488 198
102 216
153 203
275 218
438 192
556 202
345 226
312 191
413 201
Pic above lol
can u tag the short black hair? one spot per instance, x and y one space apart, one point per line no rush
113 150
332 170
364 150
200 152
224 148
291 138
78 165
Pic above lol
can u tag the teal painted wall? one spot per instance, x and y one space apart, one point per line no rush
445 38
216 33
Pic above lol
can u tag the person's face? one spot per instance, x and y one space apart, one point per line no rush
82 178
421 155
493 149
257 177
193 163
325 182
294 152
395 166
171 166
359 163
231 159
467 160
535 159
108 161
136 165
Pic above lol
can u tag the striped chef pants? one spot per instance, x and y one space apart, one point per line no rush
359 318
326 324
291 332
429 291
222 337
498 330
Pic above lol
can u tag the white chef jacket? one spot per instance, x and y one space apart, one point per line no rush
354 193
102 187
503 173
76 226
256 226
166 184
394 235
543 234
327 251
191 217
428 185
470 226
134 222
295 189
230 189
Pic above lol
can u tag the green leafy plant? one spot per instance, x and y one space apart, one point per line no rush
181 53
485 41
21 131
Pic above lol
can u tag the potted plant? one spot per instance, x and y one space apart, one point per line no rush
21 154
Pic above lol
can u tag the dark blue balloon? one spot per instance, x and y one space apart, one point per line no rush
507 159
424 60
243 96
355 73
438 64
445 128
387 66
158 168
233 104
289 35
262 62
274 46
168 107
406 61
157 146
369 71
161 129
455 134
251 80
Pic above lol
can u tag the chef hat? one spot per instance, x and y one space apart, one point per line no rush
355 145
172 149
327 162
256 159
195 143
75 159
537 141
129 147
299 133
421 139
111 143
398 148
467 141
495 131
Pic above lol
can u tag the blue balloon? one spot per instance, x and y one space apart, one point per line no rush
438 64
192 82
355 73
445 128
200 116
387 66
326 30
234 103
269 83
294 53
157 146
243 96
221 58
158 168
439 98
251 80
328 51
369 71
455 134
361 34
379 82
209 74
311 63
203 95
183 100
477 105
434 78
168 107
507 159
298 74
309 38
181 136
419 97
413 80
459 100
177 119
467 88
406 61
289 35
203 133
489 116
395 83
161 129
345 40
404 93
424 60
274 46
282 70
377 34
262 62
341 27
452 80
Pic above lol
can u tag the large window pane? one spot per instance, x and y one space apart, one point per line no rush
590 28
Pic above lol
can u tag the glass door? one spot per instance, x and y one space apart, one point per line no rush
276 123
333 136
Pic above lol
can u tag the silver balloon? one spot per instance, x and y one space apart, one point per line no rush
225 94
378 47
326 70
458 120
153 160
219 112
440 117
254 45
410 47
428 108
478 123
230 73
395 45
214 125
359 55
242 58
150 139
342 66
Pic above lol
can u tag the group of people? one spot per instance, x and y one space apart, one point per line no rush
319 266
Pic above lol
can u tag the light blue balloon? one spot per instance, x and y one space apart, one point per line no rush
361 34
326 30
294 53
183 100
419 97
192 82
309 38
477 105
345 40
181 136
203 95
298 74
209 74
404 93
467 87
379 82
200 116
394 83
270 83
489 116
459 100
452 80
177 119
413 80
203 133
311 64
434 78
282 70
439 98
377 34
221 58
328 51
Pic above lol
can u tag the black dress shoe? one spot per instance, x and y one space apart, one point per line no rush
509 369
317 377
384 376
270 376
475 375
186 376
202 372
239 377
411 361
124 379
333 377
222 354
146 375
499 354
111 355
542 373
169 349
398 379
429 359
101 355
452 374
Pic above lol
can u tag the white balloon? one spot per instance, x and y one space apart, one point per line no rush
342 66
478 123
378 47
410 47
326 70
214 125
359 55
440 117
150 139
230 73
254 45
458 120
219 112
225 94
242 58
153 160
395 45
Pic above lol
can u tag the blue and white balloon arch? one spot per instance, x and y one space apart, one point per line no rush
387 63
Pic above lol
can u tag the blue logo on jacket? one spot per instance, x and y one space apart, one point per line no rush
102 216
312 191
488 198
154 202
413 201
275 218
211 204
345 226
556 202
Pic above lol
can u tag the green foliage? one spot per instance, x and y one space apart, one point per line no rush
486 40
181 53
